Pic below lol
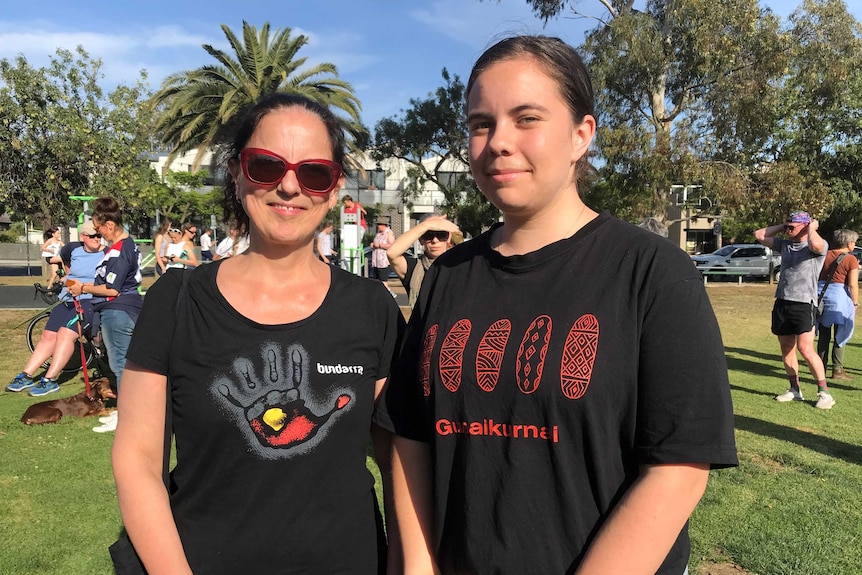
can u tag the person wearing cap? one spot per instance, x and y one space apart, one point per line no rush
57 341
383 240
436 234
794 313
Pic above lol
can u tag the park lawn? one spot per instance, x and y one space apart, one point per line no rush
793 505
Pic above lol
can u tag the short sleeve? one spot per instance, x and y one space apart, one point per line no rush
153 335
684 412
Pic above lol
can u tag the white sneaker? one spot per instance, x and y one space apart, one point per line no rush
110 425
107 418
789 395
824 400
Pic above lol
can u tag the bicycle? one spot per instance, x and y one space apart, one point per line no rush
50 294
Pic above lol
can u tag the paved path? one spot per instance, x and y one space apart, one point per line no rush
20 297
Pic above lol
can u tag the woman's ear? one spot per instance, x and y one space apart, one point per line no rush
582 137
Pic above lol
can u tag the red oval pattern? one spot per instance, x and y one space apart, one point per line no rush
452 354
489 356
531 354
579 356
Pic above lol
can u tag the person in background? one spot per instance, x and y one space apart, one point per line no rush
795 309
51 249
206 245
160 244
114 290
436 234
323 244
59 338
234 244
384 238
351 207
653 225
180 253
546 420
840 301
272 416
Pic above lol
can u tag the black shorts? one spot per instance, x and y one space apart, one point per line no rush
65 315
382 273
792 317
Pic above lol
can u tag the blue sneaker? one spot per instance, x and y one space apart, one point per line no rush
44 387
20 383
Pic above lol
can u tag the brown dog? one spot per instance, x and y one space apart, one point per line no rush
77 405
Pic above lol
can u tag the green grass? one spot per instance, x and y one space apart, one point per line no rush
794 506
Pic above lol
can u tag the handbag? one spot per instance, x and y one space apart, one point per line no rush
821 305
123 555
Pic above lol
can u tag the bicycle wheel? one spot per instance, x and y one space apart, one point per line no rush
34 332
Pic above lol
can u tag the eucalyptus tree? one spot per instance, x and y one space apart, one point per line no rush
430 135
196 106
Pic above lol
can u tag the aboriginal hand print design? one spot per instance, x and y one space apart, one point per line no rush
576 366
266 401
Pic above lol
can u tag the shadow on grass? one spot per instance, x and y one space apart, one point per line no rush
765 356
831 447
754 367
753 392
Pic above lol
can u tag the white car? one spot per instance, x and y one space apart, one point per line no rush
742 260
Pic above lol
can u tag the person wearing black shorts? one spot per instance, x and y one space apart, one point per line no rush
793 315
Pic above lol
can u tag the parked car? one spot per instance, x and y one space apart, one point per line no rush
741 259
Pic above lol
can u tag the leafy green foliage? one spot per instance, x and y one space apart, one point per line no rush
197 106
720 94
431 137
60 136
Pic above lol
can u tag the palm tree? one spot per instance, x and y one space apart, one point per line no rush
197 105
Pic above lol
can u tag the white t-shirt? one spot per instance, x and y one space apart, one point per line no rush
226 248
206 243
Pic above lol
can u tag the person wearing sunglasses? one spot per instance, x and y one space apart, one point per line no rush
180 253
114 290
803 252
435 234
272 416
58 340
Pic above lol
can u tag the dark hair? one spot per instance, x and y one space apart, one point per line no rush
106 209
164 225
245 128
346 198
49 232
559 60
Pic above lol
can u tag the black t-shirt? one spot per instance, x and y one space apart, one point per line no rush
543 381
271 424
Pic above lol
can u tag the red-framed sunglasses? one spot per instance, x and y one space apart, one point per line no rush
267 168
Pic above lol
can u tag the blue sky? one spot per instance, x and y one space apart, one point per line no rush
390 50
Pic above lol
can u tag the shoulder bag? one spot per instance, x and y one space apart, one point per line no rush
832 269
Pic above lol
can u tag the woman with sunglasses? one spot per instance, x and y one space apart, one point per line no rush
436 234
562 391
180 253
272 416
115 290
